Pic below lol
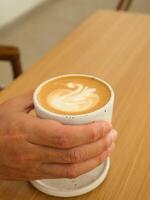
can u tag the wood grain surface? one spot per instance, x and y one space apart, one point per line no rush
116 47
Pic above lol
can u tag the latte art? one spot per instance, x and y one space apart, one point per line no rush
73 98
73 95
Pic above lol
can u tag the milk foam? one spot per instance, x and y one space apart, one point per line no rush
73 98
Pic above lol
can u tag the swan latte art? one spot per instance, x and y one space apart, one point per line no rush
74 95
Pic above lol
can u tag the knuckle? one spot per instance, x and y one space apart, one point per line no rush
94 132
24 160
63 139
71 171
63 142
105 127
74 155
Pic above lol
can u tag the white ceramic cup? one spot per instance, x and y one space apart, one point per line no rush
103 113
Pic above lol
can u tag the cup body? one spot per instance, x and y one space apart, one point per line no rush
85 182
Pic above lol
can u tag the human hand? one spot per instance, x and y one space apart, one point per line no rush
33 148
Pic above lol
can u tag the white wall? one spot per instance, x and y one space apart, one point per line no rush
11 9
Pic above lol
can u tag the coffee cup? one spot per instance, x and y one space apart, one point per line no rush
74 99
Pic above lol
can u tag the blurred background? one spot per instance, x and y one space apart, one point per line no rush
36 26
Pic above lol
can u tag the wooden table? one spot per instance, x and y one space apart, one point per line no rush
116 47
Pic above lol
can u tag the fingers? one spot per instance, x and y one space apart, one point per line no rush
77 154
42 171
74 170
22 103
53 134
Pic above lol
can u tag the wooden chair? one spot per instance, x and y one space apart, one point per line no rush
124 4
11 54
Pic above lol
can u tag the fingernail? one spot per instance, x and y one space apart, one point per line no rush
113 134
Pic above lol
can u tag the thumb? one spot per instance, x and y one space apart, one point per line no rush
22 103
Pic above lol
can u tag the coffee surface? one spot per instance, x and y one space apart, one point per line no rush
73 95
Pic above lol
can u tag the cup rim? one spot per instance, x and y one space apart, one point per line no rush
37 90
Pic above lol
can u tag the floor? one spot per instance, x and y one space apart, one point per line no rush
43 28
